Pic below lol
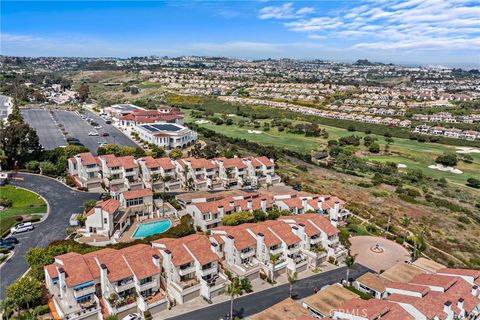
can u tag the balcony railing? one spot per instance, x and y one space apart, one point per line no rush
247 254
186 270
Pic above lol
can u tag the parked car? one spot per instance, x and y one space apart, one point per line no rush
70 139
108 121
6 246
10 240
22 227
132 316
105 134
98 127
93 133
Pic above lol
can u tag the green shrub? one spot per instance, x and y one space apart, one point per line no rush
41 310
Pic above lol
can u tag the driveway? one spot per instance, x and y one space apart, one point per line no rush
253 303
63 202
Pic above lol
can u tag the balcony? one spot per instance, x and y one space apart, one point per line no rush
146 285
247 254
208 271
84 291
276 250
186 270
83 310
316 240
125 286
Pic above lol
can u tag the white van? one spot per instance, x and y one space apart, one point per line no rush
22 227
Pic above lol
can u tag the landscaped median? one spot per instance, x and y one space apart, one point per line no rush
19 205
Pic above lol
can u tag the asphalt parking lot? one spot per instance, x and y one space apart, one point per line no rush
51 137
47 131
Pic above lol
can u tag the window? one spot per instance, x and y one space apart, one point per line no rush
146 280
134 202
105 220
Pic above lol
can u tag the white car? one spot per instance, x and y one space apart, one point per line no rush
22 227
93 133
98 127
132 316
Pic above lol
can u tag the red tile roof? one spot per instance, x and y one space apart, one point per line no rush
180 248
111 206
165 163
140 193
87 158
232 163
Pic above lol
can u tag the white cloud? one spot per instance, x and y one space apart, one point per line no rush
284 11
305 10
393 24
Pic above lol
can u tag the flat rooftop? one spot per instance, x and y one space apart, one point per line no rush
162 127
329 299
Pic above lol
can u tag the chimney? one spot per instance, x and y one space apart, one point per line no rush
61 281
260 242
221 211
320 205
156 260
460 304
304 204
263 204
103 277
229 245
301 232
249 204
167 263
447 307
474 291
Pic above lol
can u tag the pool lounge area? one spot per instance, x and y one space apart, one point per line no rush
150 228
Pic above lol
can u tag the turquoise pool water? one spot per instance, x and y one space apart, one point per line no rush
147 229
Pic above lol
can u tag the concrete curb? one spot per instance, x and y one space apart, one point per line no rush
41 175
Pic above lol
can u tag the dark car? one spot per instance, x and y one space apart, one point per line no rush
6 246
105 134
75 143
10 240
108 121
72 139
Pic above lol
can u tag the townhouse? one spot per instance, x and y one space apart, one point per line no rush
84 170
106 282
207 213
138 117
125 173
119 173
470 135
191 268
166 135
249 248
159 174
110 218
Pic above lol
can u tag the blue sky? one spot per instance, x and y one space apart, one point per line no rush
410 32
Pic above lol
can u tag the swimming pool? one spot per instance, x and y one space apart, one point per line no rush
147 229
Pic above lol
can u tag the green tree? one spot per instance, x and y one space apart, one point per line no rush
349 262
26 292
447 159
47 168
19 143
236 288
33 165
274 258
89 204
405 222
374 148
292 278
473 182
176 154
83 92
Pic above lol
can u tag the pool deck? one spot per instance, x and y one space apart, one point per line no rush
127 235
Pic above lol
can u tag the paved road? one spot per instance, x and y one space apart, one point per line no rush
63 203
256 302
79 128
49 134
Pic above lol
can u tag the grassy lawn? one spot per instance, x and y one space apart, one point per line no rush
23 203
412 153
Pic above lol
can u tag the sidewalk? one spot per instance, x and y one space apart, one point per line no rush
258 285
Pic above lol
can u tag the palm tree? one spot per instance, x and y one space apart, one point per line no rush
234 289
292 278
164 179
274 259
405 223
349 262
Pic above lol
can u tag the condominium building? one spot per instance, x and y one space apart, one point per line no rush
119 173
106 282
84 170
190 174
159 174
191 268
247 249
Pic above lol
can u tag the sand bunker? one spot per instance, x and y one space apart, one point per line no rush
202 121
444 168
401 165
467 150
254 131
